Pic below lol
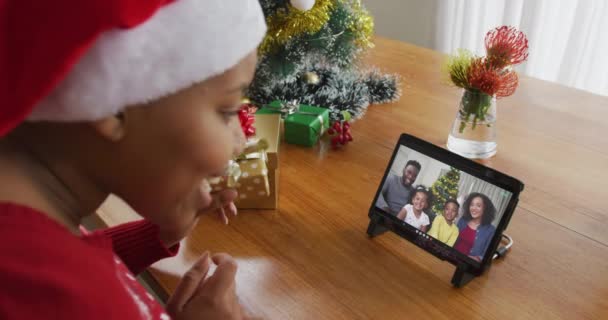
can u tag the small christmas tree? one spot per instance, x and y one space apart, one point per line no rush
444 188
310 55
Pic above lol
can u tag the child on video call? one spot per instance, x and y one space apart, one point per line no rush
443 228
134 98
413 212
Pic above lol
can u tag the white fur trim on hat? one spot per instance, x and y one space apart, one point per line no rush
184 43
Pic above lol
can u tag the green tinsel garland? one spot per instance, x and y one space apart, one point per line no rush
337 89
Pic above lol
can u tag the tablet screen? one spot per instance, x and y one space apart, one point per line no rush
444 203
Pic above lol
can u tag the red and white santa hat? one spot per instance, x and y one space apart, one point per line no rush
80 60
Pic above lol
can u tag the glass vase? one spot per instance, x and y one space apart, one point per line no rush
473 132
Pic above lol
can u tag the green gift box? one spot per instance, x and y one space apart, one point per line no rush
304 124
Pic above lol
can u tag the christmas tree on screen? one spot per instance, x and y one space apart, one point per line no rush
311 55
444 188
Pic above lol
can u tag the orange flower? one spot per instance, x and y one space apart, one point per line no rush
486 78
483 77
508 83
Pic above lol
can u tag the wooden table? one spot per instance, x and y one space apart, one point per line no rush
311 258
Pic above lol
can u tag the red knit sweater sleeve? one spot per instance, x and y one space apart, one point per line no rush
138 244
48 273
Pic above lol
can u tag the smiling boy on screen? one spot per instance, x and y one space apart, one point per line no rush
443 228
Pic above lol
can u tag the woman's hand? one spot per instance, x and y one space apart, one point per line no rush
200 297
222 204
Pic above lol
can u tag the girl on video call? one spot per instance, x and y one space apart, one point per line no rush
475 227
413 212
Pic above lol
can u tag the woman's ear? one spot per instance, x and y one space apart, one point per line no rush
112 127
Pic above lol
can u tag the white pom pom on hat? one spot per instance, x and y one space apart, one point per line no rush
303 5
83 60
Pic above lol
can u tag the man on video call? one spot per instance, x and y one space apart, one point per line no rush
397 189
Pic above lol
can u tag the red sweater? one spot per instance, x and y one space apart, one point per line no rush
46 272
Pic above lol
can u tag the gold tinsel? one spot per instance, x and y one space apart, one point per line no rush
283 25
286 24
361 25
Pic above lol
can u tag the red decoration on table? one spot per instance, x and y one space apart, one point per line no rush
341 130
247 118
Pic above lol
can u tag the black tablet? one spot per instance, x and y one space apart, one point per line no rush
448 205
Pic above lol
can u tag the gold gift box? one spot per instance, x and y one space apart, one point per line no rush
257 184
250 196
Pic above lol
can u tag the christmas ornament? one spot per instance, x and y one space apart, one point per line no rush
247 118
312 78
340 131
303 5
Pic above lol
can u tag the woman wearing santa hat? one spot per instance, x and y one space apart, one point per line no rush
135 98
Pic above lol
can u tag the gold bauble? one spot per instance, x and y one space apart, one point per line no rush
312 78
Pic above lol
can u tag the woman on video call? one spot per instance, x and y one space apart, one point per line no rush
475 227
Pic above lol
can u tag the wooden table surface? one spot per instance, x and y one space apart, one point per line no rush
311 258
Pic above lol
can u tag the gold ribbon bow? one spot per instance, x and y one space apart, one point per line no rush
255 149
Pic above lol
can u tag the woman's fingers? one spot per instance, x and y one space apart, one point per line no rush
224 204
189 284
223 279
232 209
215 297
221 213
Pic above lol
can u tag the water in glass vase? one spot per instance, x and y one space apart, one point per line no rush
473 133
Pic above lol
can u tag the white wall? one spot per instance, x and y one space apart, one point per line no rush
406 20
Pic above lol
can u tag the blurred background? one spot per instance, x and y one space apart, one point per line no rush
567 38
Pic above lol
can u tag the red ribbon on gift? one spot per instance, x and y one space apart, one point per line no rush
247 118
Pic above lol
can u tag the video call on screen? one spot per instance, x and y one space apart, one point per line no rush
447 204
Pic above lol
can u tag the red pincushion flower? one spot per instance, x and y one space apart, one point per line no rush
484 77
506 46
508 83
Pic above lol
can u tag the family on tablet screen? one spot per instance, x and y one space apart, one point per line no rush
471 235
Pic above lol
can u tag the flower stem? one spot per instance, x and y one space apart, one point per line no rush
474 103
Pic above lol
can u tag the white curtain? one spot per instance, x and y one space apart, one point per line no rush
568 39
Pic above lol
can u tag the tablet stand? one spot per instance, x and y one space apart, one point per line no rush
378 226
462 276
